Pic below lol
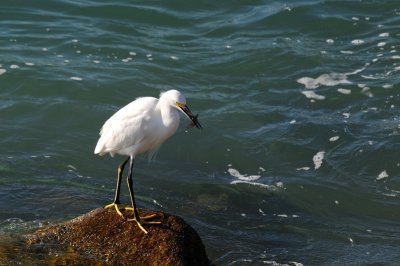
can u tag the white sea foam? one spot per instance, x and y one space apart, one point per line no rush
308 82
384 34
126 60
369 77
2 71
275 263
346 115
387 86
235 173
157 203
313 95
382 175
76 78
344 91
249 179
72 167
346 52
173 57
335 138
276 187
14 66
356 71
381 44
367 92
331 79
305 168
357 42
318 157
330 41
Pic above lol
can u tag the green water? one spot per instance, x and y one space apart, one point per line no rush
275 84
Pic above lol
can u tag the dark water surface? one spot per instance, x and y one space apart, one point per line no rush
297 164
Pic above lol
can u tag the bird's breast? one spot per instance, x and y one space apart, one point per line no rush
159 128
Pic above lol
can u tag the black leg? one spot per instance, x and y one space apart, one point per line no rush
120 170
116 203
131 193
139 220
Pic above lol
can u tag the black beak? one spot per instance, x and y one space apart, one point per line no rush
191 116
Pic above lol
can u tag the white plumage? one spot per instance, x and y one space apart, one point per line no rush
142 125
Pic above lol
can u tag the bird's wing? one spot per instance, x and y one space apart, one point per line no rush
125 127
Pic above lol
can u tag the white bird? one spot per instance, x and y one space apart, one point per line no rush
141 126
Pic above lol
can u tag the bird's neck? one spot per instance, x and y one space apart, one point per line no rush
169 114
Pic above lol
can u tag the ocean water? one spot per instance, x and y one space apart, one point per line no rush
297 164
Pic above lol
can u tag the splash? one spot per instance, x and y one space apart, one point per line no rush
249 179
318 157
335 138
344 91
357 42
244 177
276 187
331 79
382 175
313 95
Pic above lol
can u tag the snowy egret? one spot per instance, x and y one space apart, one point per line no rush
141 126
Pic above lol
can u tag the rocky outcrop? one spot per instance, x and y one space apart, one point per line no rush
103 237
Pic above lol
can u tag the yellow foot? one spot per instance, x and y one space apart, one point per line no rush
143 221
118 208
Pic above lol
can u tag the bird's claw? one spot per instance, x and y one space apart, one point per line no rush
118 207
147 217
143 221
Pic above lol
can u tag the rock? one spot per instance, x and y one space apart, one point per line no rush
103 237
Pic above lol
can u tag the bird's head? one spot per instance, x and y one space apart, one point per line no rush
178 100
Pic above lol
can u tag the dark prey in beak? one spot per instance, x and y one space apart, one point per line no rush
191 116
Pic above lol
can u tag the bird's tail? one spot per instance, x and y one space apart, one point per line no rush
99 148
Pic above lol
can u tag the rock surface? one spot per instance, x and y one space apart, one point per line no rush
103 237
